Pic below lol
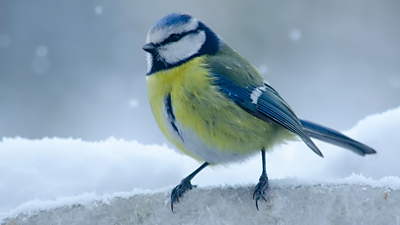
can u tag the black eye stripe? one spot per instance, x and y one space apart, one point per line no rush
176 37
210 47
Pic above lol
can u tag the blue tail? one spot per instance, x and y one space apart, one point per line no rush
334 137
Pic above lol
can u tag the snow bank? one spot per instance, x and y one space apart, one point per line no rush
35 173
290 201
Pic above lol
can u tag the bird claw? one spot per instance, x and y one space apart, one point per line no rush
178 191
260 189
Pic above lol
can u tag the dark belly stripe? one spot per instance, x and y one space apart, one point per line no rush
171 116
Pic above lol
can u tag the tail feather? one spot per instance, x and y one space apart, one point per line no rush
334 137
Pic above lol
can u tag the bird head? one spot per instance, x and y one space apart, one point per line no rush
177 38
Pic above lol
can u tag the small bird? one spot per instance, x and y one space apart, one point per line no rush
213 104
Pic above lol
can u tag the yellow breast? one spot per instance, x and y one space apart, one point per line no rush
204 112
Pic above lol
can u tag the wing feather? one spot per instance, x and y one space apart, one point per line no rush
269 107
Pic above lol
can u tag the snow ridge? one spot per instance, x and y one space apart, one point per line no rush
35 173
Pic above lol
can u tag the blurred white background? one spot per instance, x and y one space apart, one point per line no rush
76 68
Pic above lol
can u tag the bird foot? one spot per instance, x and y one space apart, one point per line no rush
178 191
261 188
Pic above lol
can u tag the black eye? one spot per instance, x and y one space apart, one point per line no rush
174 37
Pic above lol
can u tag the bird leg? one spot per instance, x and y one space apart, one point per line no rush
185 185
262 186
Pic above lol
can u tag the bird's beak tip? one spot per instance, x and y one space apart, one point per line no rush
149 47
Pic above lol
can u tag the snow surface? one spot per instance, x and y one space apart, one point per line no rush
288 203
37 173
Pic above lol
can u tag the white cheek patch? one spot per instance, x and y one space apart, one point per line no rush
149 62
182 49
257 93
159 35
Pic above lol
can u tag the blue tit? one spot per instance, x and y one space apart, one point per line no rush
215 107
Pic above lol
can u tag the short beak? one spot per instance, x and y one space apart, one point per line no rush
150 48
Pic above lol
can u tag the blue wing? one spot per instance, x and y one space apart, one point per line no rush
269 107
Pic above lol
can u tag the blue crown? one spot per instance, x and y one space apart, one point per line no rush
170 20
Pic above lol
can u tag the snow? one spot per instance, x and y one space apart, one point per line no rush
295 34
34 206
305 204
52 172
41 51
98 10
133 103
263 69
